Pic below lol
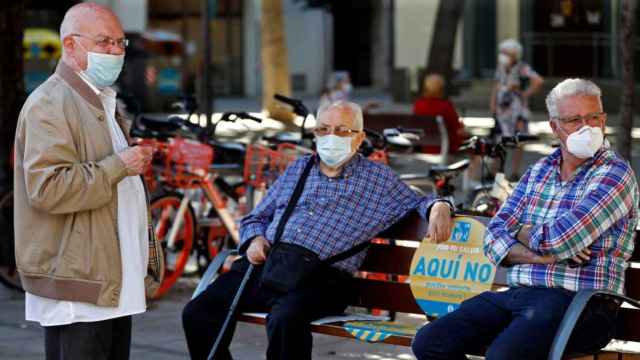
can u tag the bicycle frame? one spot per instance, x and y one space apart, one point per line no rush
214 196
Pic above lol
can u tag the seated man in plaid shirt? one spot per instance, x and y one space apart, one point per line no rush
346 200
569 225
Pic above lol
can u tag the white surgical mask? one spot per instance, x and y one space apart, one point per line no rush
585 142
103 69
504 60
334 150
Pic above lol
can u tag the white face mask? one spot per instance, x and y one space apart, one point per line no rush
103 69
334 150
585 142
504 60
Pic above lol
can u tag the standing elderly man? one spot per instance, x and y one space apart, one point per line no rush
344 201
569 225
84 250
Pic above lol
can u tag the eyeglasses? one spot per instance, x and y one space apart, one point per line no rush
573 122
104 41
341 131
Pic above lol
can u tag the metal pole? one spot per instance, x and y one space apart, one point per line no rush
207 97
185 36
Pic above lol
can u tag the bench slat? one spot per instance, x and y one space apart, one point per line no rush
334 330
411 227
388 295
388 259
632 283
628 329
339 331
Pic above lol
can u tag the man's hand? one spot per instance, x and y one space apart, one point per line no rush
440 222
136 159
258 250
519 254
582 257
523 235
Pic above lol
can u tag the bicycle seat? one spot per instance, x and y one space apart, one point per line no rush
283 138
228 152
229 146
157 123
452 169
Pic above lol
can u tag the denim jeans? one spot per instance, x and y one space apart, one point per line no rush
519 323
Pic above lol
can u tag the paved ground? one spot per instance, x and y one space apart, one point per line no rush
158 333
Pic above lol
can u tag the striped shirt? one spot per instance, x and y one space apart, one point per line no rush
334 214
596 209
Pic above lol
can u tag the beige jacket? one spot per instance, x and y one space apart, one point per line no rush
65 201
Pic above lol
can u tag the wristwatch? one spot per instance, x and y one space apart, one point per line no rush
516 230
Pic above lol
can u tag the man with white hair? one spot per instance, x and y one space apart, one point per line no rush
84 248
515 83
569 225
326 207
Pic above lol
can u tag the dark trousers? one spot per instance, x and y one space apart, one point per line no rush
519 323
288 319
101 340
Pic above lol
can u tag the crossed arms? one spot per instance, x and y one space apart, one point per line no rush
611 195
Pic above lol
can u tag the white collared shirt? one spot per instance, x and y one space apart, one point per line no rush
133 238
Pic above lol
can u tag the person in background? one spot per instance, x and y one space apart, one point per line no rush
433 103
515 83
338 88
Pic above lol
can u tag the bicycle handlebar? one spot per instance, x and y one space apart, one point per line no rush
518 138
232 116
298 106
194 128
414 131
489 147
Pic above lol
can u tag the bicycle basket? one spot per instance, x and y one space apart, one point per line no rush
262 165
186 162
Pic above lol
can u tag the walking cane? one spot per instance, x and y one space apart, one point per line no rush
232 309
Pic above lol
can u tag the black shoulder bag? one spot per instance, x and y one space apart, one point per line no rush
289 265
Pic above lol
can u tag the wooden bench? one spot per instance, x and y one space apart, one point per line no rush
435 131
395 296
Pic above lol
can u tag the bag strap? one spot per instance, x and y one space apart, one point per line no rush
347 253
297 191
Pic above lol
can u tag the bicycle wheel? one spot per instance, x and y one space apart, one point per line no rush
8 272
213 236
163 212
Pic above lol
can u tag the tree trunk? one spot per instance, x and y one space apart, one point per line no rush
628 90
443 38
11 81
275 64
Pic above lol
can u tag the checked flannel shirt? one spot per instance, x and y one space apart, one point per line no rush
597 209
334 214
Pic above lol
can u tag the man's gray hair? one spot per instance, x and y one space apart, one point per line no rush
570 87
79 12
512 45
355 109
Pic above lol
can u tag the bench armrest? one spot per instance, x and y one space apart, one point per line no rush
572 315
212 271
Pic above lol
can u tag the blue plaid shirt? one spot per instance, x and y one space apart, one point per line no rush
334 214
